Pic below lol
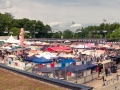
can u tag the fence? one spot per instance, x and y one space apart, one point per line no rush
61 83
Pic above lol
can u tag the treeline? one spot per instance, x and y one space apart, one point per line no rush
104 30
10 24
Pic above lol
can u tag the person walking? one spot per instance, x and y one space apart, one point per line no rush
103 78
117 77
106 72
106 83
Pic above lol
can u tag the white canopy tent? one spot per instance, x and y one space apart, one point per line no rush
81 46
11 39
47 55
7 47
67 41
69 56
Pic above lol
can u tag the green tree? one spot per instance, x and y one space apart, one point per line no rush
97 36
56 35
68 34
115 34
15 31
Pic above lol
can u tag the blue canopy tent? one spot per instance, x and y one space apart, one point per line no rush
41 60
73 69
63 62
91 66
66 60
31 58
80 68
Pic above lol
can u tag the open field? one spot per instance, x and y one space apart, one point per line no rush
13 81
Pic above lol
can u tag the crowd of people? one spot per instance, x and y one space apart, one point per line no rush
21 55
111 81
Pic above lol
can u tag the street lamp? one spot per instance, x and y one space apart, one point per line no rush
34 30
7 31
105 33
27 31
79 31
98 32
11 32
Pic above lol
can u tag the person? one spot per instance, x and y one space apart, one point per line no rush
117 77
103 83
103 77
98 69
106 82
106 71
109 71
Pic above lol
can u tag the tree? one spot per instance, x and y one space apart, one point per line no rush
5 22
97 36
56 35
30 26
68 34
115 34
15 31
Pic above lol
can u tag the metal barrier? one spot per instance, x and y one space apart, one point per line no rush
57 82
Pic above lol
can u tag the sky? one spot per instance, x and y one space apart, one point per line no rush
60 14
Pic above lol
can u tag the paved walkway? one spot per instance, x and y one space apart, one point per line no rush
98 84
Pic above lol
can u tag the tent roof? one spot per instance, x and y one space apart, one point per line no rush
31 58
67 60
11 39
41 60
59 48
80 68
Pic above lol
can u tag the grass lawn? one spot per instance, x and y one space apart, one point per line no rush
13 81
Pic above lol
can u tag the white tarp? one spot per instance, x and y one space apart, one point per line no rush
11 39
7 47
81 46
67 41
69 56
47 55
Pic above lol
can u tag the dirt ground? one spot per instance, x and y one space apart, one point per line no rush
13 81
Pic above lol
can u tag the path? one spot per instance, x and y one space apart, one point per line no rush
98 84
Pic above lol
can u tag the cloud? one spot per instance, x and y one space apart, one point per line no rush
54 24
76 25
4 5
59 13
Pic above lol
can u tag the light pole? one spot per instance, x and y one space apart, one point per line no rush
7 31
104 21
94 34
78 32
60 34
51 32
34 30
28 32
105 33
73 28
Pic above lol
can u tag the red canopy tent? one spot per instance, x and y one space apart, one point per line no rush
60 48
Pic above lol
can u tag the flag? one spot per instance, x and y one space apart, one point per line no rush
73 22
104 20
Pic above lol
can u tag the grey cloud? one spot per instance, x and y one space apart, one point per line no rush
6 4
78 2
85 12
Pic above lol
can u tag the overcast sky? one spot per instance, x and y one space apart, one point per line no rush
59 14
